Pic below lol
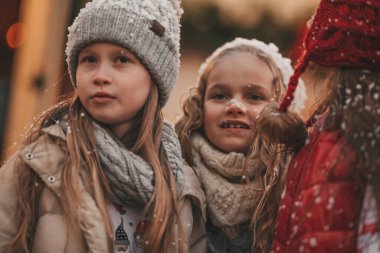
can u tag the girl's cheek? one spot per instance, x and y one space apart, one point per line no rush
254 111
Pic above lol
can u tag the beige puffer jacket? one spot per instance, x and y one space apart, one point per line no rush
46 159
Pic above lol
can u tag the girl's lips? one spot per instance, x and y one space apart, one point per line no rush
102 97
236 124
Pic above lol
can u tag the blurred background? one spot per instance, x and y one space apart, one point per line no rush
33 74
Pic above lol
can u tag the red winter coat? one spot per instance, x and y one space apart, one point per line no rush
321 205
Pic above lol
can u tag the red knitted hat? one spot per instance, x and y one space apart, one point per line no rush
344 33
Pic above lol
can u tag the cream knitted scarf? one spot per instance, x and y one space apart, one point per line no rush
230 203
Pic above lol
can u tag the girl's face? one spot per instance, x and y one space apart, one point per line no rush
238 88
112 84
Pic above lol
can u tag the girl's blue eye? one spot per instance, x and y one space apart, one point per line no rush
218 96
122 59
255 97
89 59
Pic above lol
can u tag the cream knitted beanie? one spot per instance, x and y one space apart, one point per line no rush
148 28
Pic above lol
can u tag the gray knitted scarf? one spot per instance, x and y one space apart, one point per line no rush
130 177
230 203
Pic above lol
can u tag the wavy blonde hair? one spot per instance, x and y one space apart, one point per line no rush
147 143
264 217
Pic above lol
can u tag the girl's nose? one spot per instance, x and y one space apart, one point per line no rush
102 75
235 106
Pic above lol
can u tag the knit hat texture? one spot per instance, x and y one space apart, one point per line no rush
272 52
343 33
148 28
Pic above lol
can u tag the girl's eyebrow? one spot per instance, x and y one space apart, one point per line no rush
125 52
87 51
253 86
218 86
115 52
249 87
258 88
122 51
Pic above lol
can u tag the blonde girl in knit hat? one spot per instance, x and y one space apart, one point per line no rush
242 189
102 172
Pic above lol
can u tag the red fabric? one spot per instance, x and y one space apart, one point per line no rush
321 206
344 33
293 82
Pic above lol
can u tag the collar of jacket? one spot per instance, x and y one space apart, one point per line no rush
46 158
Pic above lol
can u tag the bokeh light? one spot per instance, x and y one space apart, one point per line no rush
16 35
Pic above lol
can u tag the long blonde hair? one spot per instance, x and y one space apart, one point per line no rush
79 144
264 217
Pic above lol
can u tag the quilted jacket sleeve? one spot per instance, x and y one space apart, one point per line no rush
8 203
